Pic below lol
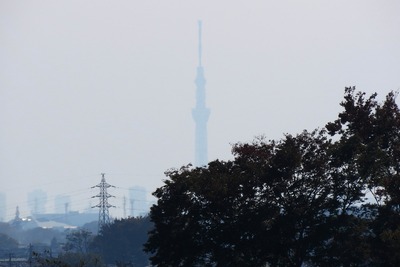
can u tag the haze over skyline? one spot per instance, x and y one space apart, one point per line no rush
96 86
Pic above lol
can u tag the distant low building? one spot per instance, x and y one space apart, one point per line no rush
31 222
72 218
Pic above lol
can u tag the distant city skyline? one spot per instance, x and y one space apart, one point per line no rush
40 204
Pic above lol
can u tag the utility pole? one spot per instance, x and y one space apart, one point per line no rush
30 255
10 255
132 202
124 205
104 215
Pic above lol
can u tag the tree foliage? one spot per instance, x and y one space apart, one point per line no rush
7 243
122 241
78 241
303 199
67 259
118 243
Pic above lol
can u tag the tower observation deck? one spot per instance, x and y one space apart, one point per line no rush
200 113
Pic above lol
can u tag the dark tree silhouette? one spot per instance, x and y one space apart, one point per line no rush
122 241
301 199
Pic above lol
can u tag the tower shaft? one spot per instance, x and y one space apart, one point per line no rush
200 113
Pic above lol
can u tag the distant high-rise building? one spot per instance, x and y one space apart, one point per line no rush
3 207
37 200
61 204
200 113
137 201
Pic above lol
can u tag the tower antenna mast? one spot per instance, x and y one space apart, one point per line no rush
104 215
200 48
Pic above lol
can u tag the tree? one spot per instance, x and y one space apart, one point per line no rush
78 241
7 243
268 205
369 135
8 229
369 144
122 241
77 252
68 259
301 199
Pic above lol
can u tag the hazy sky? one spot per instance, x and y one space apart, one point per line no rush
108 86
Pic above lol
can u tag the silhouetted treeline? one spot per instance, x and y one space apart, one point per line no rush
329 197
120 243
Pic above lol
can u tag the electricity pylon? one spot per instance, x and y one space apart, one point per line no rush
104 215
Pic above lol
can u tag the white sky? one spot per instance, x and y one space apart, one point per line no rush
108 86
